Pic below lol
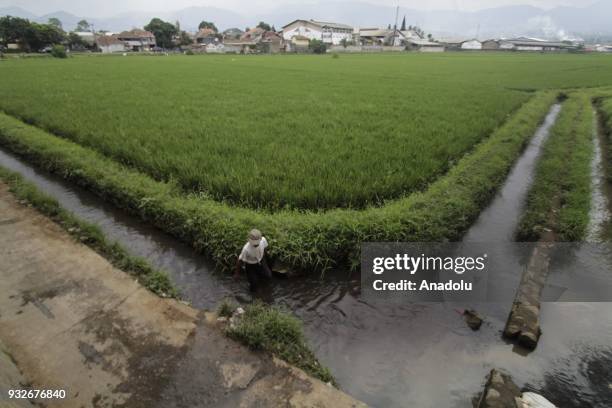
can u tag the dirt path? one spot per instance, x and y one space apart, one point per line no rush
70 320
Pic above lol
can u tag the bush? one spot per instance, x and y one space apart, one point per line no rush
59 51
267 328
189 52
317 46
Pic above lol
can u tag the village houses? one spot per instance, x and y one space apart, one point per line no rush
137 40
297 36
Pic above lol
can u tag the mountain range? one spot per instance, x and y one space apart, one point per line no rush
561 23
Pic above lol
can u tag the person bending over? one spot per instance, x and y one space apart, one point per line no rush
252 259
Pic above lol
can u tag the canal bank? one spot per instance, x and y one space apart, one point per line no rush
71 321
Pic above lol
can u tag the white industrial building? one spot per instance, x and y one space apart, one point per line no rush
471 45
329 33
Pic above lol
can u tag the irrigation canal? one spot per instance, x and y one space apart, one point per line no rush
398 355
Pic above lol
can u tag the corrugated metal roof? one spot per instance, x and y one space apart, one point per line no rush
376 33
526 42
331 25
425 42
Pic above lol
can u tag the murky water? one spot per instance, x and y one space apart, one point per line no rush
600 207
391 355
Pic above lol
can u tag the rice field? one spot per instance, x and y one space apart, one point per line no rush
287 132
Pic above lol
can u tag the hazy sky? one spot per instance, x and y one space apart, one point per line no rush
104 8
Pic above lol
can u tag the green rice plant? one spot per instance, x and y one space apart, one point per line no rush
294 132
312 241
155 280
268 328
560 197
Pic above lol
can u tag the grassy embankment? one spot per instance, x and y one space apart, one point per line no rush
604 109
89 234
270 329
300 239
561 193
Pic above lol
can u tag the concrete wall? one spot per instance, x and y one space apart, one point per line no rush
365 48
108 49
431 49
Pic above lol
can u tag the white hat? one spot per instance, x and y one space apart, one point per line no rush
255 237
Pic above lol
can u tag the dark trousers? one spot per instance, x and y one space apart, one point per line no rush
257 272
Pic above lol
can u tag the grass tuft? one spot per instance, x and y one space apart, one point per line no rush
269 329
226 308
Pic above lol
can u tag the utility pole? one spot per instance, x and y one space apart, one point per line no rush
395 26
93 30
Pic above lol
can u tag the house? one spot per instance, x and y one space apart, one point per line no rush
206 36
377 36
270 43
109 44
422 45
506 46
329 33
388 36
253 35
490 45
137 40
232 34
471 45
451 43
256 40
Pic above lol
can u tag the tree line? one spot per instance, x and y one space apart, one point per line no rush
168 35
34 37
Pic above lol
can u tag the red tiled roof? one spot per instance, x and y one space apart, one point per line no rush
106 40
136 33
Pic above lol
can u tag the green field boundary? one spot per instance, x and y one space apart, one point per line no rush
560 197
155 280
603 105
302 240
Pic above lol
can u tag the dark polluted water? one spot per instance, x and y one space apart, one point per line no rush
399 355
